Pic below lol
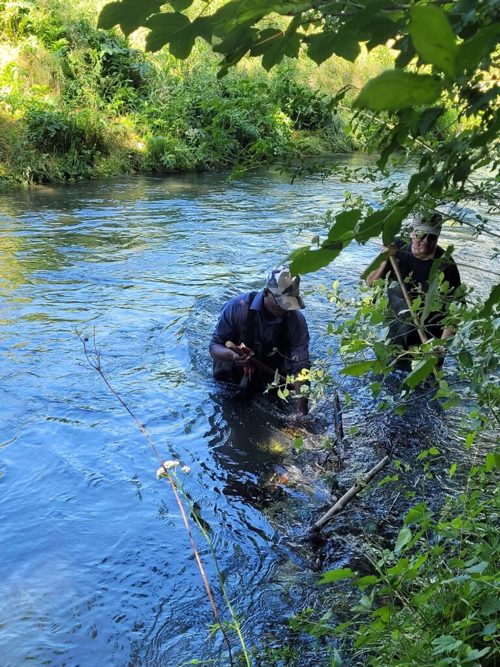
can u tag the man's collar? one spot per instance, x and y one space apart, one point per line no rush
258 302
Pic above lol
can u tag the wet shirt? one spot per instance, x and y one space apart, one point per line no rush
271 331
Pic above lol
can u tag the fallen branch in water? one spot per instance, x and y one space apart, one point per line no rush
360 484
94 359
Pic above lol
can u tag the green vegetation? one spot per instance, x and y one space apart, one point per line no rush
81 102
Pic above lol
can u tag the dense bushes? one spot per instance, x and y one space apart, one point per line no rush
78 102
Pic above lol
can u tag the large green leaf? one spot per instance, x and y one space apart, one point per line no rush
337 575
344 225
492 301
404 537
358 368
371 226
307 260
431 302
474 49
375 264
392 224
180 5
174 29
422 370
394 90
128 14
433 37
324 44
274 45
417 514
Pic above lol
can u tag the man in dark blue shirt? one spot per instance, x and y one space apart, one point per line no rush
270 323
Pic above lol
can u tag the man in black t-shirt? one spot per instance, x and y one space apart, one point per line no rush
420 262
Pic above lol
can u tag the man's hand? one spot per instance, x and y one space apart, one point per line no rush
240 360
241 354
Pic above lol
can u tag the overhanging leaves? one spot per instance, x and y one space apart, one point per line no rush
471 52
433 37
128 14
422 370
395 90
307 260
375 264
322 45
344 225
174 29
274 45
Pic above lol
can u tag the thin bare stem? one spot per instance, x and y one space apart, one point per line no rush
94 359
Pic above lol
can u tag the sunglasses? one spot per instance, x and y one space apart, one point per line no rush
429 238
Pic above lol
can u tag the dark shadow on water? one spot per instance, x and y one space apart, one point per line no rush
248 445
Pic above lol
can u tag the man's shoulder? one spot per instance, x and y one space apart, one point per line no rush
239 301
297 319
445 257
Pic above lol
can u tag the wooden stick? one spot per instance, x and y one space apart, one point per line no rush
339 424
395 266
353 491
253 361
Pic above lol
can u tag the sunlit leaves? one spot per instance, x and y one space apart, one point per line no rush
341 43
174 29
307 260
473 50
128 14
394 90
421 371
433 37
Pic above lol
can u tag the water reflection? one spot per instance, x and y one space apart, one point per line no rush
248 447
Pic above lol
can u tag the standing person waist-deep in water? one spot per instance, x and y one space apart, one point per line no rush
419 263
270 323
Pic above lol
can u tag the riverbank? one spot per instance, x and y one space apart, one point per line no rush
77 102
80 103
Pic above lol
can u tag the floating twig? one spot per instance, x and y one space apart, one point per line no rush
347 497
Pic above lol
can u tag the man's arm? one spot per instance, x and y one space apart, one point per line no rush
379 272
228 327
220 352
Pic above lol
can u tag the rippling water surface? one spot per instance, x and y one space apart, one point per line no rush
96 568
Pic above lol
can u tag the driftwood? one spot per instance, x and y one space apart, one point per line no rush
353 491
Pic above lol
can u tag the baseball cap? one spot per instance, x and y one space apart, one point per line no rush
285 289
427 225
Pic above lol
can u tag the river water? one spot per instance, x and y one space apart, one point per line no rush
96 567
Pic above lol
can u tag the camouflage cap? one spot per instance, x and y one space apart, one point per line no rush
427 225
285 289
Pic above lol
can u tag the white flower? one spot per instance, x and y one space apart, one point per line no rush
167 465
186 469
